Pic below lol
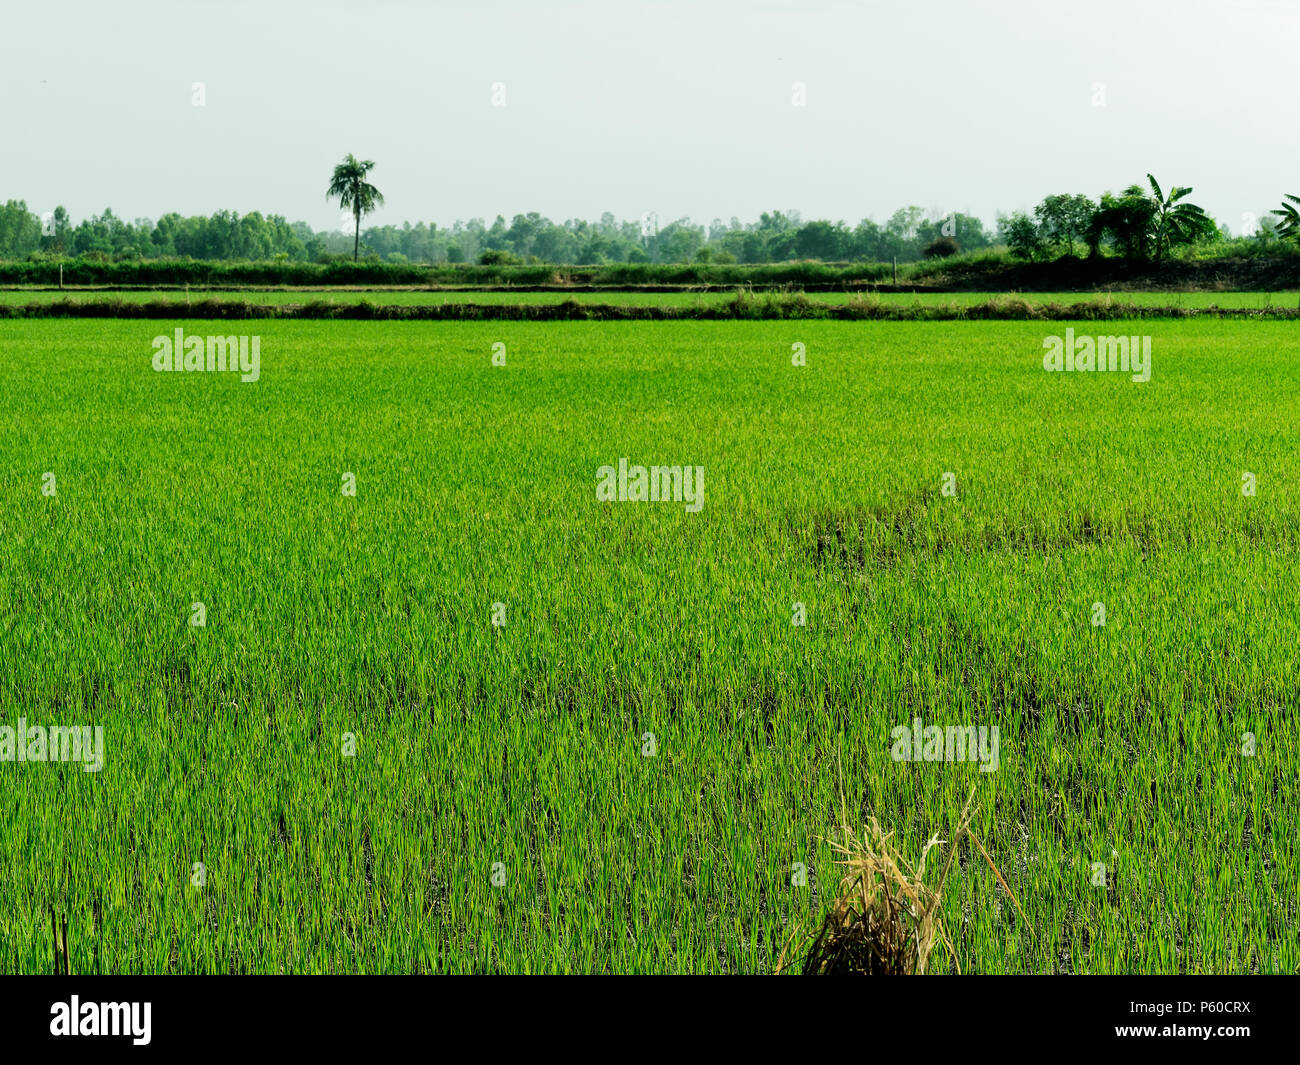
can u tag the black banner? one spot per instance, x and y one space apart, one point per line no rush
142 1015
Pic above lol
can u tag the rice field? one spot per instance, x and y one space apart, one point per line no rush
474 718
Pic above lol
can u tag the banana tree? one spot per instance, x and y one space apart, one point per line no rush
1173 221
1290 224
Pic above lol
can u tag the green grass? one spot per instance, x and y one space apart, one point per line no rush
523 745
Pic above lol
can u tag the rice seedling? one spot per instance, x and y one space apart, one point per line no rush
385 686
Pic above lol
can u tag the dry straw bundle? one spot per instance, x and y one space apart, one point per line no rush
886 919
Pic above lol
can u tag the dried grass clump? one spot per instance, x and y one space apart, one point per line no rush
1013 306
886 919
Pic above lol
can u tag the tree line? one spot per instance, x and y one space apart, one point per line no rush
1142 222
225 235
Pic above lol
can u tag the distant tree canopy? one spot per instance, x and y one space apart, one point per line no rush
775 237
224 235
1140 223
20 230
1064 219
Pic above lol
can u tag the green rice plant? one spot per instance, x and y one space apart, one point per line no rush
472 717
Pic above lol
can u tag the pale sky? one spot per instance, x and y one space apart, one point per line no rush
673 106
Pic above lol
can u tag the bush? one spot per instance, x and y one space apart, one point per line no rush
942 248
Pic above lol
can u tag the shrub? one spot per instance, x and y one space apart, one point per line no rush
942 248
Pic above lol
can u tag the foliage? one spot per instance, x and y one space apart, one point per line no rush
1020 234
1289 227
350 187
1176 222
1063 219
522 750
942 248
1124 220
1140 224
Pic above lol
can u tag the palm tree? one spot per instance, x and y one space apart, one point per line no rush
350 188
1174 220
1290 224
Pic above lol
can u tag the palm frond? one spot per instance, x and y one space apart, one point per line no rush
1290 224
